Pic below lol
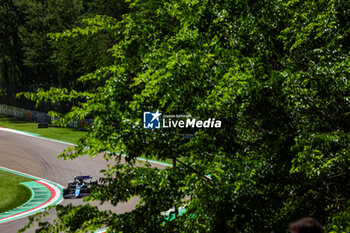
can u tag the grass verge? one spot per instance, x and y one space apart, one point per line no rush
63 134
12 193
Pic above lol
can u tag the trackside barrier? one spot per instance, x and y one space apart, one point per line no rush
36 116
25 114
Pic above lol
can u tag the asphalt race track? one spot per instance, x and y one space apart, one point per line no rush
38 157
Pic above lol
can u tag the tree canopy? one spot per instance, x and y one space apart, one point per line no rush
274 72
30 59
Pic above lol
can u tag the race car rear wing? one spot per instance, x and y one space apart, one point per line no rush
82 177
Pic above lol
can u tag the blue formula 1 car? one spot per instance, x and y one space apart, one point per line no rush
80 187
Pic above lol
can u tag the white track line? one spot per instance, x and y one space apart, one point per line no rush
34 136
71 144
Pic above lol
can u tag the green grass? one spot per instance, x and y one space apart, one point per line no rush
63 134
12 193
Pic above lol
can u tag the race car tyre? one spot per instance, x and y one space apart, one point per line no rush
86 190
93 182
65 192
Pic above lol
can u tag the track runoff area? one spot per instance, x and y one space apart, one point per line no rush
46 193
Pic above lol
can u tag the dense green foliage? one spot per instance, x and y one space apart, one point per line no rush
25 53
276 74
30 59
